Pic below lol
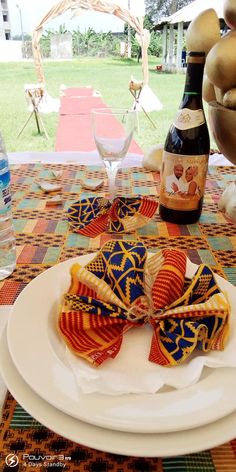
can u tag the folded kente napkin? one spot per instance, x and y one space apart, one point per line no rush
92 216
122 288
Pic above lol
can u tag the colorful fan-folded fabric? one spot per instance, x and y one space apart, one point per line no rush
92 216
124 287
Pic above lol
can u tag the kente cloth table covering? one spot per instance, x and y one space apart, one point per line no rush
44 239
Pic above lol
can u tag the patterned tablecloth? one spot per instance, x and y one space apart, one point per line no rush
44 239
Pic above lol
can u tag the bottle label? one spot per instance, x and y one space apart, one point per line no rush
5 193
186 118
183 181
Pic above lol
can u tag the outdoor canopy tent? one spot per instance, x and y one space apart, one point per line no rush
190 11
181 19
103 6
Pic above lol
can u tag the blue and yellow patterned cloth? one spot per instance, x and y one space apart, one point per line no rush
122 288
92 216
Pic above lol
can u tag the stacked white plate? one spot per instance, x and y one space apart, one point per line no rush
163 424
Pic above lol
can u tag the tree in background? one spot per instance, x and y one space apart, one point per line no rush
159 8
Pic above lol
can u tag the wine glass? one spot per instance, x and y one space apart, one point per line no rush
113 131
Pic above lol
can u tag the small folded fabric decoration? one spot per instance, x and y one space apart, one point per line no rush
123 288
92 216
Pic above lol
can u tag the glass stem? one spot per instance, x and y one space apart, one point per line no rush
112 168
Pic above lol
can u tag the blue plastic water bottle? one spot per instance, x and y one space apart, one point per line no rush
7 237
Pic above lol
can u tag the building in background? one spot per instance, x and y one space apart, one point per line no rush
5 29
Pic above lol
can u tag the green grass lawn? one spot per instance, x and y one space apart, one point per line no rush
110 76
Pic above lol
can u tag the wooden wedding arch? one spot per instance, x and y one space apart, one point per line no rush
102 6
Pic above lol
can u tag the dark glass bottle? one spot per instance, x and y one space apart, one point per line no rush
186 152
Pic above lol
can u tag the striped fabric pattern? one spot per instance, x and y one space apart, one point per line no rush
121 288
43 240
91 216
22 419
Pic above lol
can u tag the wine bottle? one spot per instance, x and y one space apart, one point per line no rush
186 152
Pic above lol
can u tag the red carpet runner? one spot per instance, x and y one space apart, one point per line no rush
74 131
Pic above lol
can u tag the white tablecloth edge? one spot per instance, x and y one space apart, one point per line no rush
90 158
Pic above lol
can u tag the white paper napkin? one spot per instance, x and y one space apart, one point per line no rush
132 372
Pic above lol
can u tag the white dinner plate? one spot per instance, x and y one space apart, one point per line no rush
116 442
38 353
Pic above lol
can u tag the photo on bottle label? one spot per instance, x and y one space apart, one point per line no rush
183 181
